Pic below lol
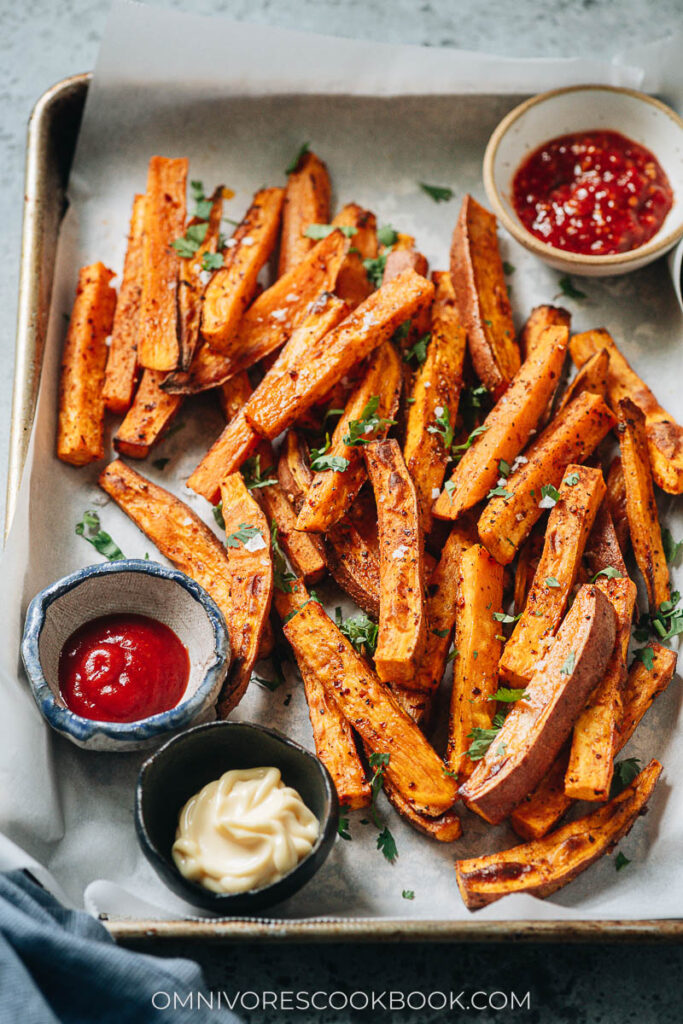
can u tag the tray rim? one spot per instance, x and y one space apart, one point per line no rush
41 202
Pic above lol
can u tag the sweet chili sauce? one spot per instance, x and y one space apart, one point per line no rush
594 193
121 668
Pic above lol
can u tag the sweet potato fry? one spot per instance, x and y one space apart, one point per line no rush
158 336
122 361
234 394
641 507
307 554
664 435
507 427
239 440
191 290
332 492
545 807
569 525
352 283
602 547
594 740
148 418
402 620
508 518
401 259
363 330
543 866
414 768
616 502
477 641
173 527
307 201
591 377
293 470
527 564
270 320
233 286
539 318
251 584
435 395
481 294
81 406
538 723
445 829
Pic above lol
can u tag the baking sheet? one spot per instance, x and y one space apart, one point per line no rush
239 100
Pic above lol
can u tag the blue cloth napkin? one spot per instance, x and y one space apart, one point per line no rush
61 966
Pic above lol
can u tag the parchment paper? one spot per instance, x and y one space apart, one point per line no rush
239 100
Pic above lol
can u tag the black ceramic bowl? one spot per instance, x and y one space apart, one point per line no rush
188 762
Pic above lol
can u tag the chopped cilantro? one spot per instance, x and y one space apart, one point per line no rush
620 861
458 450
506 695
359 630
386 235
418 351
218 514
443 427
443 633
187 246
244 533
504 468
318 231
672 548
647 656
374 268
472 401
437 192
624 773
568 289
387 844
254 477
550 581
549 491
483 738
99 539
609 571
572 480
362 431
408 894
343 826
212 260
321 461
499 492
569 663
161 463
508 267
294 164
506 619
282 576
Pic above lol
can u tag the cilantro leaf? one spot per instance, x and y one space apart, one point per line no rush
568 289
418 351
508 268
549 491
386 235
458 450
378 762
387 844
320 461
270 684
672 548
572 480
443 427
550 581
624 773
374 268
569 663
218 514
253 475
647 656
313 596
161 463
505 618
483 738
318 231
472 401
187 246
244 533
408 894
437 192
282 575
359 630
294 164
99 538
610 572
504 468
442 633
362 431
499 492
212 261
620 861
343 826
449 487
402 332
506 695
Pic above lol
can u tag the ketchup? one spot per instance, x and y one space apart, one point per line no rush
595 193
121 668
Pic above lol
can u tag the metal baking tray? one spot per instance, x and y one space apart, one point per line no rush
52 133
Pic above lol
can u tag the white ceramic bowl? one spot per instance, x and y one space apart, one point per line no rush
576 109
139 587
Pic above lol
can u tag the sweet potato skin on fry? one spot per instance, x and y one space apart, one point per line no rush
475 671
436 386
306 202
591 377
571 437
543 809
190 293
641 506
148 418
539 318
352 283
81 405
538 723
363 330
332 493
544 866
481 294
122 361
616 501
402 620
602 547
569 526
233 286
307 554
507 427
664 435
414 768
594 740
158 338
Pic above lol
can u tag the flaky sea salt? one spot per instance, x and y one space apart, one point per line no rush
400 552
547 502
255 543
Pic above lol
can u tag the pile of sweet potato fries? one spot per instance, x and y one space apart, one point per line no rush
440 469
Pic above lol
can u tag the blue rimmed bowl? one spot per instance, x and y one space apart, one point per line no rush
137 587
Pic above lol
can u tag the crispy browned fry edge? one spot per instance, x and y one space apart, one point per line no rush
148 418
616 501
507 427
270 320
233 286
594 740
293 469
641 507
173 527
602 547
478 643
404 258
402 620
436 385
234 394
332 493
307 201
158 335
122 362
539 723
664 434
363 330
352 283
191 283
527 563
544 808
81 406
571 437
539 318
591 377
545 865
569 525
306 553
414 768
239 440
251 586
481 293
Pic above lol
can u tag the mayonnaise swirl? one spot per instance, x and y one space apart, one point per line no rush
243 831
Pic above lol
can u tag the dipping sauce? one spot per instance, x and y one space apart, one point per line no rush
121 668
243 831
596 193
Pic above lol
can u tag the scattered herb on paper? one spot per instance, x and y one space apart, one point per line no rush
89 529
438 193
